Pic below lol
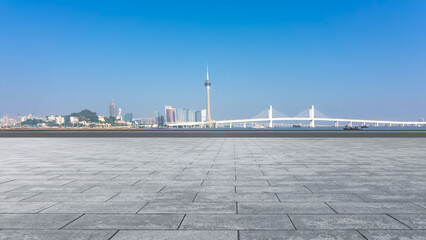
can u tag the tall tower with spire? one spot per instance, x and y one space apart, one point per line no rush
208 84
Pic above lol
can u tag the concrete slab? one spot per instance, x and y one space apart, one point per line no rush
70 197
36 221
178 235
195 207
236 197
319 198
56 234
284 208
400 207
96 207
345 222
24 207
127 221
175 197
236 222
302 235
15 197
394 234
414 221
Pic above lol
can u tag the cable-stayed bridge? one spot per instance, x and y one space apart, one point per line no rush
272 118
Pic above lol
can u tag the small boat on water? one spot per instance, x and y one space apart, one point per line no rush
258 126
357 128
365 126
297 125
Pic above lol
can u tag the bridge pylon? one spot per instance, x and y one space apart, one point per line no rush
270 116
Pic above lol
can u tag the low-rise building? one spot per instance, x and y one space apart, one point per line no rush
74 119
59 120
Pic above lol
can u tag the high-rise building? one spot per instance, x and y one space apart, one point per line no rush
160 121
198 116
113 110
203 115
128 117
207 83
155 114
119 115
191 116
165 110
170 114
182 115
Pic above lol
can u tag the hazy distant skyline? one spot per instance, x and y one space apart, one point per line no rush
363 59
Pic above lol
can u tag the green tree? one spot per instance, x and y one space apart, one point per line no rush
110 120
31 122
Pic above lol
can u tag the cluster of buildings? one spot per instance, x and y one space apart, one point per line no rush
117 113
184 115
116 117
173 115
10 119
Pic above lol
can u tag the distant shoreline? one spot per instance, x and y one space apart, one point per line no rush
208 133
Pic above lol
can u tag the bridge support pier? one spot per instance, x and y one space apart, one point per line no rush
270 116
376 124
350 124
230 125
244 124
312 117
336 124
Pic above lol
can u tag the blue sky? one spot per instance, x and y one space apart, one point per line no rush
356 58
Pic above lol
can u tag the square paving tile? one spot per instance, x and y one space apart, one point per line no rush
377 208
194 207
70 197
96 207
284 208
236 222
301 235
394 234
24 207
179 197
14 196
35 221
56 234
127 221
318 198
178 235
415 221
236 197
345 222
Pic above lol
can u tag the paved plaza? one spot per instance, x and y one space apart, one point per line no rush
212 188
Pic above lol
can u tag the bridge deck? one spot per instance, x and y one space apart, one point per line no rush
259 133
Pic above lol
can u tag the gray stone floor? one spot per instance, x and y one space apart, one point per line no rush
193 188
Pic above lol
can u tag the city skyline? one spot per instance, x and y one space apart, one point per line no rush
354 59
236 120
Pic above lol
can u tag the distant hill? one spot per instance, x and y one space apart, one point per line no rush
84 115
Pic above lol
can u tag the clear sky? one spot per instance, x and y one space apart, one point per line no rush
357 58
